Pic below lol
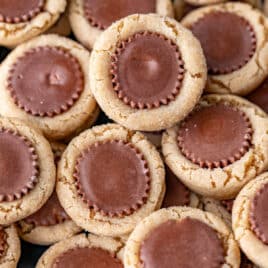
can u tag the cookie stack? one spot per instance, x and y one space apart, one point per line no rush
133 134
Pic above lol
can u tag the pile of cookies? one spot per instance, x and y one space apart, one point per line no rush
176 175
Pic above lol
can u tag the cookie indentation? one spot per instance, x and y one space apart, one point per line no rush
176 193
50 214
18 166
85 257
259 214
187 243
228 41
101 14
46 81
147 70
14 11
113 178
215 136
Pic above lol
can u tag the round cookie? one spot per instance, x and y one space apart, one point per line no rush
23 20
9 247
51 223
260 95
94 16
83 251
164 77
27 170
237 59
219 147
181 237
109 178
182 7
45 81
250 219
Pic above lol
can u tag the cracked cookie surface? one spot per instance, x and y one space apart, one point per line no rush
221 182
56 114
248 226
115 87
140 245
39 190
80 23
242 76
81 190
101 252
13 33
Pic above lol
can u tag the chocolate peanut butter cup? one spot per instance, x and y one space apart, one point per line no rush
50 214
13 11
147 70
228 41
215 136
46 81
113 178
186 243
260 96
176 193
102 14
18 165
259 215
85 257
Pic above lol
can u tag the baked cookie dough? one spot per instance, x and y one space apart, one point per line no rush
260 96
181 237
94 16
109 179
51 223
250 221
234 40
45 81
23 20
84 251
27 170
147 72
219 147
9 247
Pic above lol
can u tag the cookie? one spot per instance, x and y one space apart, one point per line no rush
181 237
45 81
260 95
9 247
237 59
51 223
165 73
109 178
23 20
27 170
250 220
83 251
93 16
219 147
